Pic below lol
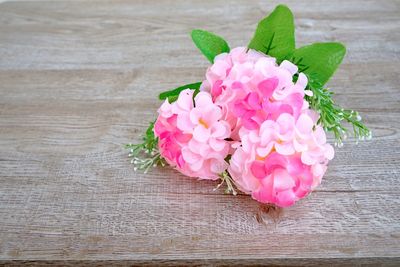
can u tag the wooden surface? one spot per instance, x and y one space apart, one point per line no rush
79 79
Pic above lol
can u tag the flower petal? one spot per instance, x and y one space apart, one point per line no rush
201 134
304 124
283 180
285 198
268 86
289 66
285 148
203 99
184 123
185 99
217 145
258 169
189 156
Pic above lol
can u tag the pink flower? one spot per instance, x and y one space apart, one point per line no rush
283 160
283 179
192 135
251 88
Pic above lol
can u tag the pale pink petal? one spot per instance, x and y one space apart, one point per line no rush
218 166
203 99
205 86
201 133
195 115
302 80
283 180
264 151
184 123
319 135
219 68
212 114
197 165
220 130
284 148
189 156
286 126
217 145
289 66
304 124
306 158
329 152
185 99
299 147
166 109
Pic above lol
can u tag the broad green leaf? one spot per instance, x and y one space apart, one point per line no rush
209 44
274 35
173 94
319 60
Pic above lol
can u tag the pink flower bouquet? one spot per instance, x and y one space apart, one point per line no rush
258 121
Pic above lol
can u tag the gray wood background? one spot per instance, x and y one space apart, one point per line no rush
79 79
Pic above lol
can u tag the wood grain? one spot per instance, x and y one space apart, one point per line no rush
79 79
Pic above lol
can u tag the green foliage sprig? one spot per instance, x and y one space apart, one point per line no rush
146 155
332 116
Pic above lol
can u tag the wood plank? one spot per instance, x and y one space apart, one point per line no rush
79 79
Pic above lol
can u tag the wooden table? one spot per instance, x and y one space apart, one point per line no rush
80 79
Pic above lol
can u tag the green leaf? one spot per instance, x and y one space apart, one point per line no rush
149 131
209 44
319 60
173 94
274 35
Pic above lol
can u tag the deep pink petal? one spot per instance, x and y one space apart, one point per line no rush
268 86
286 198
258 169
239 109
253 101
216 89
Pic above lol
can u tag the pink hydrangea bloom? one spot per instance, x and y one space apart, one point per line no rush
251 88
283 160
192 135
